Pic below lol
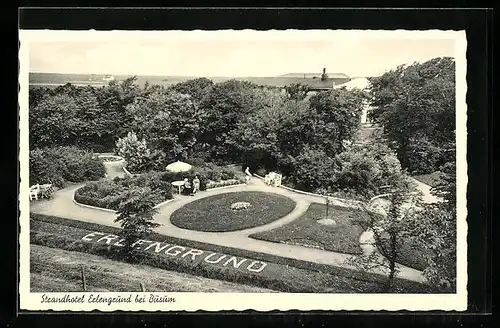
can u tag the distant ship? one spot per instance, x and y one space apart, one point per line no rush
108 78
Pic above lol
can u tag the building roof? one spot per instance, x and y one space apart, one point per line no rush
315 75
284 81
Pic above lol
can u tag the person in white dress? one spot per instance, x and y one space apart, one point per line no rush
248 175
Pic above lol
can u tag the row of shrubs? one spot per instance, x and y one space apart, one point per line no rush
110 193
58 165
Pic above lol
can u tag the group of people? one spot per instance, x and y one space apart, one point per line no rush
191 187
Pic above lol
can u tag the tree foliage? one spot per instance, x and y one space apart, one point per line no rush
297 91
416 106
391 227
135 215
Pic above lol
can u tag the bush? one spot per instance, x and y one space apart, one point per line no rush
110 193
134 151
60 164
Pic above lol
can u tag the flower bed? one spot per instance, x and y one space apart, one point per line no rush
223 183
110 193
214 213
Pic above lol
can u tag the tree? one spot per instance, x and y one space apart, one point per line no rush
312 169
198 89
135 216
113 100
437 231
337 114
365 169
170 120
225 106
297 91
135 152
416 106
53 121
391 229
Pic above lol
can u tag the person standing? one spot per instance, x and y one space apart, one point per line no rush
248 175
196 184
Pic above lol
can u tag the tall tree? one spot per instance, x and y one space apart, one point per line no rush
135 216
170 120
391 227
226 105
53 121
196 88
416 107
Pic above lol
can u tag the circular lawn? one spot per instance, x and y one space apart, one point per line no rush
215 213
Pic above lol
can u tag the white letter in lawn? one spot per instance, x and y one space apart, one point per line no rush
92 234
251 266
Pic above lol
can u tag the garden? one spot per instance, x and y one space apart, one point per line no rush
232 211
107 193
339 231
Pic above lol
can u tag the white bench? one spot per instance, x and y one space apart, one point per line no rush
34 191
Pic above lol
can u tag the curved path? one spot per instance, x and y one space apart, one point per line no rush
63 205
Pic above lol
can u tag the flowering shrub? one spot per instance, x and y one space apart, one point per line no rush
238 206
223 183
134 151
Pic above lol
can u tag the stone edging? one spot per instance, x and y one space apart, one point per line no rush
93 207
163 203
126 171
121 160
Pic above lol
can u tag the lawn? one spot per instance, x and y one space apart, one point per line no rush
214 213
57 270
282 273
307 231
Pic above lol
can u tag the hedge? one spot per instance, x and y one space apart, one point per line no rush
354 276
59 164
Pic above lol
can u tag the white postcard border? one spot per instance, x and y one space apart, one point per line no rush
253 301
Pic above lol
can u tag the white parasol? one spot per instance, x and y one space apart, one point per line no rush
179 167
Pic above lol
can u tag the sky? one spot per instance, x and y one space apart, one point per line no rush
234 56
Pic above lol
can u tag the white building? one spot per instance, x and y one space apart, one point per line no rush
360 83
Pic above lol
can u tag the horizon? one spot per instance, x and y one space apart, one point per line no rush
231 54
189 76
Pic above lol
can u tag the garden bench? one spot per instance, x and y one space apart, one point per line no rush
34 191
273 178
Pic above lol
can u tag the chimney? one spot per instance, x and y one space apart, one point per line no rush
323 76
